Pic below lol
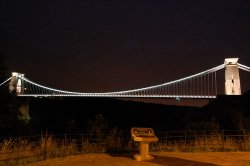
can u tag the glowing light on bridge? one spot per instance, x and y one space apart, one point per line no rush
200 85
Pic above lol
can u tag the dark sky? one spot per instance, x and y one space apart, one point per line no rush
98 46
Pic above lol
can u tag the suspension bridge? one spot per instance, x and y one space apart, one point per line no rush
200 85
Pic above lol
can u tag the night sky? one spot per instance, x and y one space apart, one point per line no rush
99 46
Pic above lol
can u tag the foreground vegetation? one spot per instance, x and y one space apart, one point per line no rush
23 150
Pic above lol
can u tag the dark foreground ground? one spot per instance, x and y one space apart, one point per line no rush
161 159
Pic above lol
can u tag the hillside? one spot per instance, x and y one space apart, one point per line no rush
83 115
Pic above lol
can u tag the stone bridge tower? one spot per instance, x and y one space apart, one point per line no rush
232 77
16 83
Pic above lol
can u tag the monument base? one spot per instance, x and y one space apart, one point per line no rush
143 157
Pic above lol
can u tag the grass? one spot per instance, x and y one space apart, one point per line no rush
20 151
211 143
23 151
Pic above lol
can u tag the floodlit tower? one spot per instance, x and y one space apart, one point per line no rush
232 77
16 83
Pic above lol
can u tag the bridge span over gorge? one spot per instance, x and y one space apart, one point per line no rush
200 85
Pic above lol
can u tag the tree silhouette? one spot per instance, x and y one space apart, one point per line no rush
98 126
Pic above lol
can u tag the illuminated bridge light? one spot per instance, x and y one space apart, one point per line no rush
201 85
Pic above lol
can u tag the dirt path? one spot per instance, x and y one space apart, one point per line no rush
161 159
